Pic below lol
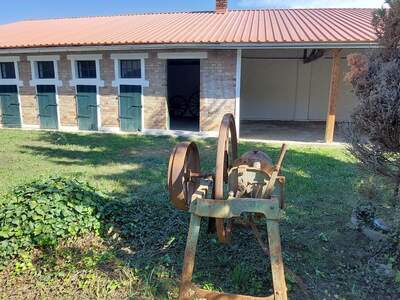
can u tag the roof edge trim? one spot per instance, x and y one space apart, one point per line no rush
364 45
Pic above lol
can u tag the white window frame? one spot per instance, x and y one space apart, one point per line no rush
12 81
117 57
34 70
35 81
85 81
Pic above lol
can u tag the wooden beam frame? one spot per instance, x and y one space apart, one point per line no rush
333 94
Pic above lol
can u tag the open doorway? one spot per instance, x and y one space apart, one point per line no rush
184 94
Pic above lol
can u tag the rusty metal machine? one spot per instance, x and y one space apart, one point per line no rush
241 189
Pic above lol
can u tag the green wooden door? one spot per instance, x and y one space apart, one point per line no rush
130 107
46 97
9 106
86 99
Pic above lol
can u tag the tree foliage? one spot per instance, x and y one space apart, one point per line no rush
375 77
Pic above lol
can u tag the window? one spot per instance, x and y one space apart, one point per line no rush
45 70
86 68
130 68
7 70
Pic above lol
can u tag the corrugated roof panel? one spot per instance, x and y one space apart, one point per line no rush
284 25
235 26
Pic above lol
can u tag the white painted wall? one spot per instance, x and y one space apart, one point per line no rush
276 85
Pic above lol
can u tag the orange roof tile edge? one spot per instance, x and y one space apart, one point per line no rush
262 26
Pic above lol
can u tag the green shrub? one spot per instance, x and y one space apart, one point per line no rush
45 211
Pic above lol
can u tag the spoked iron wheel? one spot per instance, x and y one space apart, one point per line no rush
226 155
183 163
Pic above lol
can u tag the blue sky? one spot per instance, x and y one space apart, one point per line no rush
13 10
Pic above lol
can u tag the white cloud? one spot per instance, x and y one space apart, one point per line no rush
311 3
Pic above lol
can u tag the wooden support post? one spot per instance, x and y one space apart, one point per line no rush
333 94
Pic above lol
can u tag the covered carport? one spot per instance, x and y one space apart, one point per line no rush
294 94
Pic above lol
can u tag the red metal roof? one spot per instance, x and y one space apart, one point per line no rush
271 26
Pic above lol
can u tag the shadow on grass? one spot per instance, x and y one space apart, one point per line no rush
150 235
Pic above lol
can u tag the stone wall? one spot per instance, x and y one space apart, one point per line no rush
66 94
29 108
217 91
217 88
155 96
108 94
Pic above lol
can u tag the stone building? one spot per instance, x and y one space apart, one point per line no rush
180 72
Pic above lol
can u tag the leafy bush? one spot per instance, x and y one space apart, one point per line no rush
45 211
375 76
375 123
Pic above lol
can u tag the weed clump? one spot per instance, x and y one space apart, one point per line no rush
41 213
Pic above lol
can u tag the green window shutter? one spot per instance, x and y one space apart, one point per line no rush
46 97
9 106
130 107
86 98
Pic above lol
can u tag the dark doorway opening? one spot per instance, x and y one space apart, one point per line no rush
184 94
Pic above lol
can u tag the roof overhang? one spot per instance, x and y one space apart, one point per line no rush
348 45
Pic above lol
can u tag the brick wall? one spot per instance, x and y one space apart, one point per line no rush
217 88
66 94
108 94
29 107
155 96
217 91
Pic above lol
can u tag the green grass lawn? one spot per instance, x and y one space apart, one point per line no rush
142 255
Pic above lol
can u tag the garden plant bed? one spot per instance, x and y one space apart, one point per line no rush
140 254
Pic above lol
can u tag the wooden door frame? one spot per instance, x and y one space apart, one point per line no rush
141 104
19 104
98 109
117 82
57 102
16 81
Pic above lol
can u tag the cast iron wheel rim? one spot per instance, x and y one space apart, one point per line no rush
183 161
226 155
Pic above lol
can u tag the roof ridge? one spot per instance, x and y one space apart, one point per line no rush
179 12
